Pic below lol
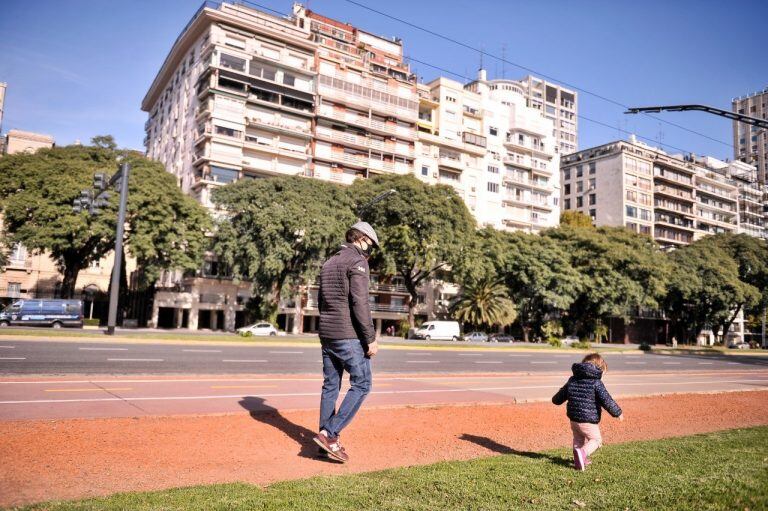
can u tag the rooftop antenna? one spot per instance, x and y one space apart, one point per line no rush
481 56
503 61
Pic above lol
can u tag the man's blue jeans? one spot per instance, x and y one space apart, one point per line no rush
339 356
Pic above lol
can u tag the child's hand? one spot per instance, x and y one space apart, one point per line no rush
621 417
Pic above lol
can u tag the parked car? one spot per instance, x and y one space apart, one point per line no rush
439 331
259 329
476 336
739 346
501 338
571 339
55 313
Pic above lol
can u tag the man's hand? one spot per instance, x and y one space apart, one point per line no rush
373 348
621 417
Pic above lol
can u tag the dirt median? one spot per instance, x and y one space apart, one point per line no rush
76 458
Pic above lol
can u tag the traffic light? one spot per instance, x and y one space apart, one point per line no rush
76 206
100 181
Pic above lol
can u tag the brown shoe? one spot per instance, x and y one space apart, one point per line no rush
332 447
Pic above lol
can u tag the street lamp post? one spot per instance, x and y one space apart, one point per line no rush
380 197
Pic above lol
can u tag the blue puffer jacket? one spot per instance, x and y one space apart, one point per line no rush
586 395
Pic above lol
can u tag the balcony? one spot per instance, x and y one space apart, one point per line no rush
362 141
365 122
450 162
530 149
672 177
673 192
276 125
344 97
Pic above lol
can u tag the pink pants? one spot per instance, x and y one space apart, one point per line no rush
586 436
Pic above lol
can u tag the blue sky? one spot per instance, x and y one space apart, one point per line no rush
78 68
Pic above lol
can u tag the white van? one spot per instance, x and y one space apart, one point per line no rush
439 331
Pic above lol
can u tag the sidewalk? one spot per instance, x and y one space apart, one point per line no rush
68 459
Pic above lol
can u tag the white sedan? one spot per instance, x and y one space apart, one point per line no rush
259 329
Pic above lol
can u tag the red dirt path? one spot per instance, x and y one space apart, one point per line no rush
76 458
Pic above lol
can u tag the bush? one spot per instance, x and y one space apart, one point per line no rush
581 345
555 342
246 334
91 322
402 329
645 347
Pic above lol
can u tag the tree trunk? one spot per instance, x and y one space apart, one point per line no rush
298 315
71 271
526 332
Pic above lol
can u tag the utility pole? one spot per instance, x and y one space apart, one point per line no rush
91 201
380 197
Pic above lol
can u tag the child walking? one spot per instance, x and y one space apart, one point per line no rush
586 396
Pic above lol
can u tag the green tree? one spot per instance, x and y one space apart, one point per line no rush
277 232
705 288
621 271
104 142
751 256
165 229
423 229
485 304
575 219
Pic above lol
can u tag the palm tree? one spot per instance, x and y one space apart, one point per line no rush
485 303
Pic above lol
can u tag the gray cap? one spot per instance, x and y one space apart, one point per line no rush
365 228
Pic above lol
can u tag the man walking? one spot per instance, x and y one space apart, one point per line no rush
347 335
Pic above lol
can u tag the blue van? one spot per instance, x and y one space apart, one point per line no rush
53 313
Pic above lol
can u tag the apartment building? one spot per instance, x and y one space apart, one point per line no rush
558 104
750 143
367 104
674 199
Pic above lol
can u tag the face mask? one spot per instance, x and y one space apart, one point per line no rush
366 248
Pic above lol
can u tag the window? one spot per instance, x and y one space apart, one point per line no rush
18 254
592 183
645 214
592 214
579 201
424 170
579 171
567 189
229 132
580 187
645 229
566 174
632 195
222 175
493 131
493 170
567 204
234 42
14 289
631 211
592 199
493 187
264 71
232 62
450 99
632 226
289 79
592 167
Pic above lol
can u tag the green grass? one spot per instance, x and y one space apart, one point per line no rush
725 470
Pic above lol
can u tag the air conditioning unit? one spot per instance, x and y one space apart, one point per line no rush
434 174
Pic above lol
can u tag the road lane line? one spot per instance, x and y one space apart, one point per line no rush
422 361
470 354
13 358
519 355
287 352
134 360
420 354
635 363
86 390
542 362
671 363
706 363
8 347
103 349
243 386
203 351
487 361
242 360
305 394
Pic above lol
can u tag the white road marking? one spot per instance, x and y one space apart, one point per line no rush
543 362
487 361
287 352
671 363
302 394
103 349
203 351
636 363
422 361
421 354
8 347
13 358
733 363
519 355
706 363
470 354
243 360
135 360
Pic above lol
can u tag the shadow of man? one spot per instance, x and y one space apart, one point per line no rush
262 412
494 446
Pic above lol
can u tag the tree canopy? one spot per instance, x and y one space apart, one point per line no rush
277 232
422 228
165 228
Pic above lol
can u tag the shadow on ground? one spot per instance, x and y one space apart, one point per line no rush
262 412
494 446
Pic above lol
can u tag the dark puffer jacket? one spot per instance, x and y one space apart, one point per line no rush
345 312
586 395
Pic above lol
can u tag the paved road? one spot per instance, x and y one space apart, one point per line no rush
37 398
28 357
